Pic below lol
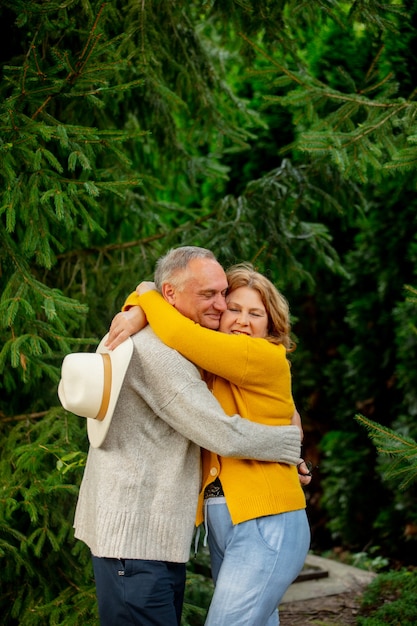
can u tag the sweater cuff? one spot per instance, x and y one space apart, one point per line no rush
290 446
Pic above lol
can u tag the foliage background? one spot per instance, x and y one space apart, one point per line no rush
278 132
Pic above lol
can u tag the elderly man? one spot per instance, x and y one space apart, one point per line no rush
138 496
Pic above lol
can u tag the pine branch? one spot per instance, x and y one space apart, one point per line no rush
401 449
24 417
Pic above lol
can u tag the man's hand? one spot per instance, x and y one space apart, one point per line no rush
304 473
124 325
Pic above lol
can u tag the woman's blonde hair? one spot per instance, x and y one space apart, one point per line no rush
279 327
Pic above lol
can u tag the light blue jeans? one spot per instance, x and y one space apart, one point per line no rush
253 564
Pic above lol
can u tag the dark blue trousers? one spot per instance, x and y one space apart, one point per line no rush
138 592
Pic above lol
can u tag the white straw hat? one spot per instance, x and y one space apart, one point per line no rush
90 385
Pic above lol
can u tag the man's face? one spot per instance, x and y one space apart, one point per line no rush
202 295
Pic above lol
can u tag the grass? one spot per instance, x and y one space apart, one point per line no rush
390 599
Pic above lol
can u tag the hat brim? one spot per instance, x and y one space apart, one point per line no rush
120 358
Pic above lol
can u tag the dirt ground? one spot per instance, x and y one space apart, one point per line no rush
338 610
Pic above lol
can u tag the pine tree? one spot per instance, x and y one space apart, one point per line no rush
121 126
108 116
401 450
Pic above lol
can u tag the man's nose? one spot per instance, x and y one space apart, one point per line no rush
220 303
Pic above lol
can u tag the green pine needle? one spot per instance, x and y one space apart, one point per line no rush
401 449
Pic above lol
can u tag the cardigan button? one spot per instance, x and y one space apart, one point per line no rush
213 471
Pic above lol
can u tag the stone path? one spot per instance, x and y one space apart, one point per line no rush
328 593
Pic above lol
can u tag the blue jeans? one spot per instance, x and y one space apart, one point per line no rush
138 592
253 564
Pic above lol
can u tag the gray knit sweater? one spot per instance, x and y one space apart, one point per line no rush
139 491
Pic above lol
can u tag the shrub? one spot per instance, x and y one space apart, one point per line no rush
390 599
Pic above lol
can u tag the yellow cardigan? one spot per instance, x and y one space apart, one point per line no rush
249 376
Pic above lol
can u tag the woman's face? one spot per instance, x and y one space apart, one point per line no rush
245 314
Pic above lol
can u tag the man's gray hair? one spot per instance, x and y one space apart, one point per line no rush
175 261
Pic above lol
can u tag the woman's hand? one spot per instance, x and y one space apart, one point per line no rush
144 286
124 325
296 421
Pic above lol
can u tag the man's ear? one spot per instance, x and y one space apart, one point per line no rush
168 292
